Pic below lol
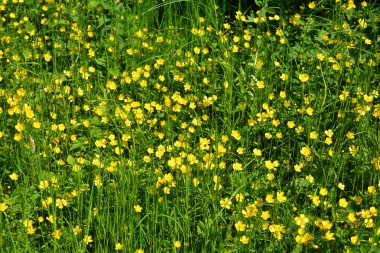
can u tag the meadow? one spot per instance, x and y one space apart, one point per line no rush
189 126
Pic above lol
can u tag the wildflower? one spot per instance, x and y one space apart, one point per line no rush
244 239
257 152
177 244
306 151
226 203
303 77
237 166
311 5
270 176
277 230
315 199
77 230
138 208
47 57
57 234
260 84
236 135
362 23
353 150
323 224
43 184
87 239
250 211
13 176
3 207
139 251
119 246
284 77
343 203
310 179
265 215
60 203
354 240
240 226
271 165
298 167
302 239
280 196
301 221
371 189
341 186
350 135
239 197
336 66
291 124
323 191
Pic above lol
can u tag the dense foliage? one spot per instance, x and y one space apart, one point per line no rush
183 126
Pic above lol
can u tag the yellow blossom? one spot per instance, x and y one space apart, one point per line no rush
119 246
240 226
87 239
13 176
244 239
3 206
303 77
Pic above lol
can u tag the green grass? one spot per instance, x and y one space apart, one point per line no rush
189 126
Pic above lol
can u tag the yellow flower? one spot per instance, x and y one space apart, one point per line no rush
313 135
284 77
57 234
236 135
237 166
226 203
343 203
371 189
280 196
354 240
177 244
3 207
306 151
87 239
60 203
77 230
13 176
362 23
244 239
310 179
257 152
43 184
240 226
336 66
138 208
265 215
328 140
111 85
311 5
47 57
291 124
239 197
323 191
119 246
260 84
303 77
316 200
302 220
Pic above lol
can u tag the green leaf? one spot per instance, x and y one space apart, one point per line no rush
92 5
70 160
101 61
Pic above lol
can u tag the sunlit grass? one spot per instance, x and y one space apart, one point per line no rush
188 126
